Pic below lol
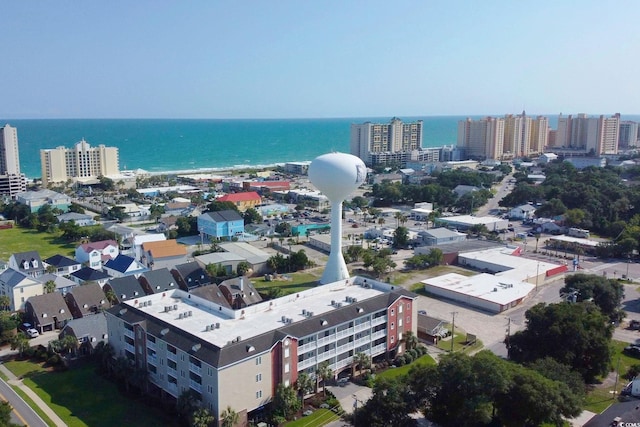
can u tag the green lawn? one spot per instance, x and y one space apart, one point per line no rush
82 398
298 282
404 370
13 240
24 368
459 343
319 418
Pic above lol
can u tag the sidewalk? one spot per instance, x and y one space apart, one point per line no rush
14 381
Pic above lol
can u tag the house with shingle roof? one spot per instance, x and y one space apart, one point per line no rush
123 288
28 263
243 200
47 312
63 265
63 285
211 293
81 220
124 265
86 300
161 254
89 331
89 275
221 224
94 254
240 292
159 280
190 275
18 287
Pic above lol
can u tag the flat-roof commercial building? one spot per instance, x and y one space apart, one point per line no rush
465 222
237 358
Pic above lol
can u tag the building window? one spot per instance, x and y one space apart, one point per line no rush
392 339
286 352
286 368
393 312
400 308
400 322
393 326
259 360
258 378
210 389
22 290
258 394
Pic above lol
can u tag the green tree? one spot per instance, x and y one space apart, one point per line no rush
49 286
5 415
361 361
577 335
243 268
410 340
607 294
324 373
283 229
217 206
188 402
118 213
401 237
252 216
285 401
389 405
304 384
229 417
20 342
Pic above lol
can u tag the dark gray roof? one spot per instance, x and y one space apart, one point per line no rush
126 288
192 270
11 277
90 294
224 216
29 257
89 327
248 293
88 274
211 293
61 261
428 324
53 305
160 280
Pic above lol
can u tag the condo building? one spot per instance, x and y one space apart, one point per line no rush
12 181
628 134
597 135
237 358
503 138
81 163
393 137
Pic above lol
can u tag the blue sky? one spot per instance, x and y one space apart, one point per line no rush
284 59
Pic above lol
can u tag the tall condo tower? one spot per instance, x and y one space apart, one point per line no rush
336 175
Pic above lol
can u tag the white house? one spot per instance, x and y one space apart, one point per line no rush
82 220
522 212
19 288
95 253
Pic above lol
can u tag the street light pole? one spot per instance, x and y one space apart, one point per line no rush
453 327
537 275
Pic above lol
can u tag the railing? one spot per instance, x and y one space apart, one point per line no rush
345 347
344 362
379 349
195 368
379 334
151 345
326 355
306 363
130 348
379 321
363 326
307 347
129 333
345 333
172 388
362 341
153 359
195 385
172 356
324 340
172 371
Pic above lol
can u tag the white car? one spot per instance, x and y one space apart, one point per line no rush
32 333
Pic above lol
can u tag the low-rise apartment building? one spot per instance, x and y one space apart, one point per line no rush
236 358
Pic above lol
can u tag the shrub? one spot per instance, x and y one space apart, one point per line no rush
54 360
408 358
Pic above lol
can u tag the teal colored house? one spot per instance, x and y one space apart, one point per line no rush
37 199
222 225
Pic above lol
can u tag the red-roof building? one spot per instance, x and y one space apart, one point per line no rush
262 186
243 201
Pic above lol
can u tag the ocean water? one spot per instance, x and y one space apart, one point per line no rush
165 145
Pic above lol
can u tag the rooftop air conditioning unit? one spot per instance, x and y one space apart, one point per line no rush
180 316
207 328
175 306
217 325
284 319
304 312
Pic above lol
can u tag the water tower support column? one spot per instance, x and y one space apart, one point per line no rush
336 268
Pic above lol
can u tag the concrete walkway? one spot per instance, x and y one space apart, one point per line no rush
14 381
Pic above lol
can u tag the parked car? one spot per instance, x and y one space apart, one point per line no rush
29 330
634 324
632 350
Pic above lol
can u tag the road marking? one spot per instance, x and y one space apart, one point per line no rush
14 409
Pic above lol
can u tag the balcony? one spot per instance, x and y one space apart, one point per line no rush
307 347
345 333
362 326
326 355
326 340
172 356
380 334
195 369
195 385
151 345
131 349
345 347
153 359
361 341
172 388
379 321
129 333
306 363
379 349
344 362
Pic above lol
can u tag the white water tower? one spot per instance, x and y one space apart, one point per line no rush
336 175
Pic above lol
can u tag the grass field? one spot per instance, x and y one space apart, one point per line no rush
319 418
13 240
82 398
404 370
298 282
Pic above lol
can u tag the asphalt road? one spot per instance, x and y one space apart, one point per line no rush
22 413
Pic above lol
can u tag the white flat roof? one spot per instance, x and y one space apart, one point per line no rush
484 286
139 239
569 239
519 268
471 220
253 320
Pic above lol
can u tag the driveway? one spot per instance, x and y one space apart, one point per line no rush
349 394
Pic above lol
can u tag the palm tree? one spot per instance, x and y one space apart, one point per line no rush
229 417
20 342
70 344
537 240
324 373
187 403
362 361
49 286
304 385
410 340
202 418
5 302
381 221
398 216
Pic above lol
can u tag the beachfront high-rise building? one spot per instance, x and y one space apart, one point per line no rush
81 163
539 135
597 135
628 134
517 135
11 180
482 139
392 137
